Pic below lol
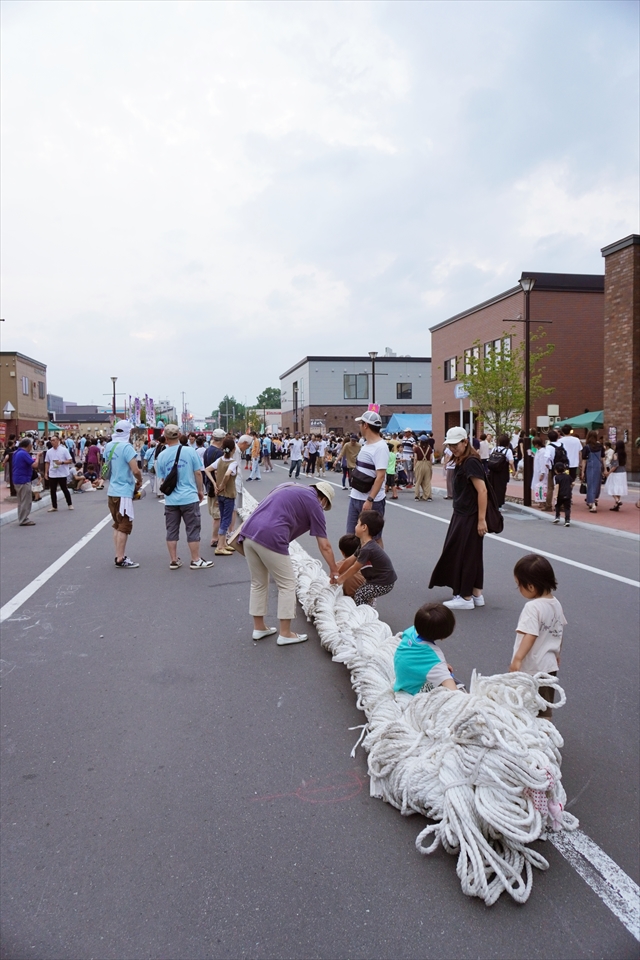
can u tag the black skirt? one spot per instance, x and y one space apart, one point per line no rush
460 566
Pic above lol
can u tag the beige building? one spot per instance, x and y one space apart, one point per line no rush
23 393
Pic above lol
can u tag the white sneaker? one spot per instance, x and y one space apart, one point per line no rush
459 603
261 634
297 638
478 601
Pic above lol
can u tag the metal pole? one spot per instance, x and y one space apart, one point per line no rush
113 405
373 379
461 413
527 472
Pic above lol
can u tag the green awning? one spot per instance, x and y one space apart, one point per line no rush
584 421
52 426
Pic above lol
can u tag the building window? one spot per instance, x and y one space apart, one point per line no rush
450 368
25 386
41 393
356 386
404 391
496 346
469 355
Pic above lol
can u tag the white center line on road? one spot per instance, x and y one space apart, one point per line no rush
16 602
617 890
514 543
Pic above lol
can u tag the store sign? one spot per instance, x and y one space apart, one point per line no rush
459 392
3 433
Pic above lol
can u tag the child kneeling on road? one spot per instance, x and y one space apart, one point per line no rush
369 559
540 627
419 662
349 546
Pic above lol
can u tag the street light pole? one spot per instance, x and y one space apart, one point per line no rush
113 404
527 286
373 354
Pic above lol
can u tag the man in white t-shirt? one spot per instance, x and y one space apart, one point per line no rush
295 453
322 452
370 471
573 446
406 455
56 470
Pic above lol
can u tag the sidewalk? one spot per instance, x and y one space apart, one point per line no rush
627 519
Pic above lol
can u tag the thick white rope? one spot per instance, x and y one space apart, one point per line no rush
482 765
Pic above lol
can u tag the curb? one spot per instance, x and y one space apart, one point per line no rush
576 523
12 515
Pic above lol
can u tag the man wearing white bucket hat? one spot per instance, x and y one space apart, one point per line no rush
461 563
285 514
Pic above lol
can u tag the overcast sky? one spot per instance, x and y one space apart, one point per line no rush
197 194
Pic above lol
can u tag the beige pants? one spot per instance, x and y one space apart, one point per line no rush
263 562
423 471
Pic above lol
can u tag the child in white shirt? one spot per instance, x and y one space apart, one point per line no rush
540 627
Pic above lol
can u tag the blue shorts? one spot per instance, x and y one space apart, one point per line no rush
355 509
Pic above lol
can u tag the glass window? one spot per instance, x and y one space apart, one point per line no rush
472 352
356 386
450 368
404 391
41 393
25 386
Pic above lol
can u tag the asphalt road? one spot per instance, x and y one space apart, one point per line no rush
172 789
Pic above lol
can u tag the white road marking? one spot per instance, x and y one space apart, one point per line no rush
16 602
515 543
616 890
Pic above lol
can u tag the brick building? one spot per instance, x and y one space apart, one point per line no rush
23 385
574 303
326 393
622 344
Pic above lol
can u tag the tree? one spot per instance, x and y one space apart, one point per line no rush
232 414
495 382
269 399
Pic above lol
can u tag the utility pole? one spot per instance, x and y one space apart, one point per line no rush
373 354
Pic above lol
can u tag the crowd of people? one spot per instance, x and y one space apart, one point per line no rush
183 470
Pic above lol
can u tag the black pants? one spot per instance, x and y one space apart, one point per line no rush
566 504
53 486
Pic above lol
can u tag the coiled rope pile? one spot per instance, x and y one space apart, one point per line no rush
482 765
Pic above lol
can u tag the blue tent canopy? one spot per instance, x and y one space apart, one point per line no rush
417 422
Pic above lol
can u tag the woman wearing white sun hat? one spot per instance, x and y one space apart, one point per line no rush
461 563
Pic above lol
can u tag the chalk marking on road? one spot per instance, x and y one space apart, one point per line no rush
515 543
614 887
16 602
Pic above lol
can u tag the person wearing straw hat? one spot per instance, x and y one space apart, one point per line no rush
284 515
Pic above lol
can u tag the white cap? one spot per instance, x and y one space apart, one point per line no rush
371 417
218 434
455 435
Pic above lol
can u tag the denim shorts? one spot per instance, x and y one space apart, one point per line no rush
355 509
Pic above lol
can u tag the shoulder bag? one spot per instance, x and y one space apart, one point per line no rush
170 482
105 473
495 520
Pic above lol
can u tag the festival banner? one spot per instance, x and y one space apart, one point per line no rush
137 411
151 412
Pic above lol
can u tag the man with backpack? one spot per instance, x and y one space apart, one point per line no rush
179 469
123 473
556 455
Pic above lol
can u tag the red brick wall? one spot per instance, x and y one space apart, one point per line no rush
341 417
574 370
622 348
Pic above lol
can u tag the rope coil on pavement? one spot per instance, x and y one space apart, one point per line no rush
482 765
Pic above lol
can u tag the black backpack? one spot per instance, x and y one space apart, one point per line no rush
560 456
497 460
170 482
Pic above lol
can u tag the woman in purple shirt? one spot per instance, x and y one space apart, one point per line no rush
285 514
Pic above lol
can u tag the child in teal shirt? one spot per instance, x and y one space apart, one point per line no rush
419 662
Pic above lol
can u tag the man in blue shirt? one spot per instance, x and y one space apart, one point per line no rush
184 502
21 473
124 481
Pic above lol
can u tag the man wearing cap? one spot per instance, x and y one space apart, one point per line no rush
284 515
184 501
406 455
368 477
124 480
211 454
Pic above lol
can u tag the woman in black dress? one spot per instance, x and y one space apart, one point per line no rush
461 565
